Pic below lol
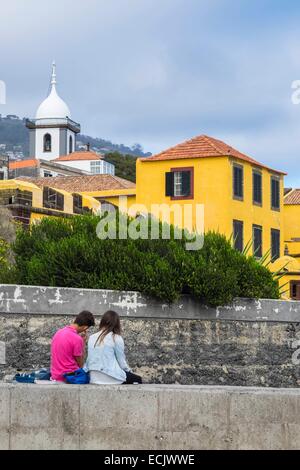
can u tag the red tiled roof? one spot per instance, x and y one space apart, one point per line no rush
73 184
24 164
76 156
293 197
203 146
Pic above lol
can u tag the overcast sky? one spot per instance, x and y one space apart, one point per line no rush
158 72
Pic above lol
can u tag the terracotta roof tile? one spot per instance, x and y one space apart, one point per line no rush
203 147
24 164
293 197
73 184
76 156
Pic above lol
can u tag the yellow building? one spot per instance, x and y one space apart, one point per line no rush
289 265
103 190
289 282
30 199
292 222
240 196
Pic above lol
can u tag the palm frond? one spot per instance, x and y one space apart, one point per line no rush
247 248
264 258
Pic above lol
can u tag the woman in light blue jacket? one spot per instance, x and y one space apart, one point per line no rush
106 361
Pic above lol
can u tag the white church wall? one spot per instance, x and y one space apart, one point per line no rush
40 154
73 135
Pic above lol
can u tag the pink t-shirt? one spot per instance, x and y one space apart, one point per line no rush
65 346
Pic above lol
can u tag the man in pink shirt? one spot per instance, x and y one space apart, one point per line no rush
68 346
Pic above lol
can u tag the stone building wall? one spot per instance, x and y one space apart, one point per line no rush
251 343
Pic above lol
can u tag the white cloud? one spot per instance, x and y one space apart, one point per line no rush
161 71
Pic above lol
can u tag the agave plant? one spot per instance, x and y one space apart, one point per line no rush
265 261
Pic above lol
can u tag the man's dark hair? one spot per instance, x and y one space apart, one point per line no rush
85 318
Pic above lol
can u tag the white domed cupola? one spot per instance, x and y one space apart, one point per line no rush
53 107
52 132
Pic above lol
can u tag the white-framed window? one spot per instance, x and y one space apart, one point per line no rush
177 183
96 168
180 184
102 168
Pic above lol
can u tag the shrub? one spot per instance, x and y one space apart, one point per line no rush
67 253
7 236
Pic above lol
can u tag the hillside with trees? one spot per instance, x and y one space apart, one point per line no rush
125 165
14 137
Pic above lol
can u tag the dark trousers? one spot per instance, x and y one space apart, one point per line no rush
132 378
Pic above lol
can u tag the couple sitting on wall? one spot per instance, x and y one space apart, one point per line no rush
106 362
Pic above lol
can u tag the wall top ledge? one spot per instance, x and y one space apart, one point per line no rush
38 300
150 388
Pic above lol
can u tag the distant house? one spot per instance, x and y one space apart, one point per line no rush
87 161
35 168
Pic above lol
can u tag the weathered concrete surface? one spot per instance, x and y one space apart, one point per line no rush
64 301
148 417
2 353
4 417
44 418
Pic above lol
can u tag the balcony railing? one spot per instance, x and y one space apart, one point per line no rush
53 122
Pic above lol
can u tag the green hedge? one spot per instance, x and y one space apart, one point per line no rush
7 236
67 253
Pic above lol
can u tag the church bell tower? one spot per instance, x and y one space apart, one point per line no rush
52 133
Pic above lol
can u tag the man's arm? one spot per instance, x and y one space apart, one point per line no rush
80 350
80 361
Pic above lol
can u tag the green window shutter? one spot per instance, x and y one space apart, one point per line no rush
170 184
186 183
238 235
275 244
273 193
77 204
257 188
275 188
46 197
257 241
60 202
238 181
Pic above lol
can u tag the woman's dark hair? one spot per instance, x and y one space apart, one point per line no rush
85 318
110 323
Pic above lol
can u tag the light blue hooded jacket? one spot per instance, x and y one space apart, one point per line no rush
108 356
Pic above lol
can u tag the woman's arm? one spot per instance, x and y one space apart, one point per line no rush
120 353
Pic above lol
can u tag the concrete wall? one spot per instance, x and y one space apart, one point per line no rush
35 300
250 343
147 417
